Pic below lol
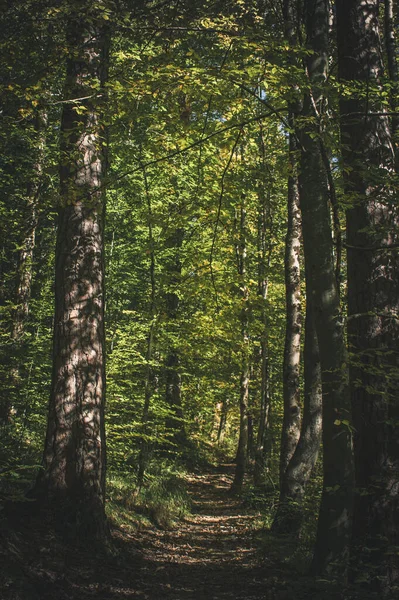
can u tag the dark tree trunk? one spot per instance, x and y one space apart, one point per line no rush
373 296
334 525
288 518
25 257
175 421
73 478
392 53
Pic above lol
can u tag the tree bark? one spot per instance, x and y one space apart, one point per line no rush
242 450
73 477
391 49
263 446
334 524
292 348
222 421
149 375
175 420
288 518
373 295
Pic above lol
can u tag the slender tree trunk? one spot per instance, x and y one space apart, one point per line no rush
292 348
73 478
373 296
288 518
175 420
334 524
262 450
25 257
222 421
263 442
242 451
251 445
149 376
10 388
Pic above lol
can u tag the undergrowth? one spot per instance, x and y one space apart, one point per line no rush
162 500
295 551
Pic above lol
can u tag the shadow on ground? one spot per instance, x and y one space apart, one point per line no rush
214 554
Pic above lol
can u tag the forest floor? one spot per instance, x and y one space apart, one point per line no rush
217 552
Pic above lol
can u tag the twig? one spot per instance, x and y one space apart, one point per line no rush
196 143
218 216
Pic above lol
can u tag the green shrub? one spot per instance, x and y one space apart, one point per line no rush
162 500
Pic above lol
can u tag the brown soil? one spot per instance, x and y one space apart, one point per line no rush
213 553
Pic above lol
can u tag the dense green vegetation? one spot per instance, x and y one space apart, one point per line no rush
214 184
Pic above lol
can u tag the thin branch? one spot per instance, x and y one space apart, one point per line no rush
273 110
197 143
74 100
218 216
208 112
372 248
230 32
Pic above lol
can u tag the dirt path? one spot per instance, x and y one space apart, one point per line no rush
212 555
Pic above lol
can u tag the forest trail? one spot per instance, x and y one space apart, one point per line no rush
212 554
216 552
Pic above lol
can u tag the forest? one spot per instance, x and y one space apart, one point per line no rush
199 295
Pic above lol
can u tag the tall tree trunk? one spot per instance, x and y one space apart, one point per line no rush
334 524
263 446
292 348
175 420
263 442
149 375
73 478
222 421
288 518
242 450
373 295
392 52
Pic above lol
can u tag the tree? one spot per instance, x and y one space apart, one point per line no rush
292 350
241 253
289 516
175 419
263 446
334 524
73 476
373 274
